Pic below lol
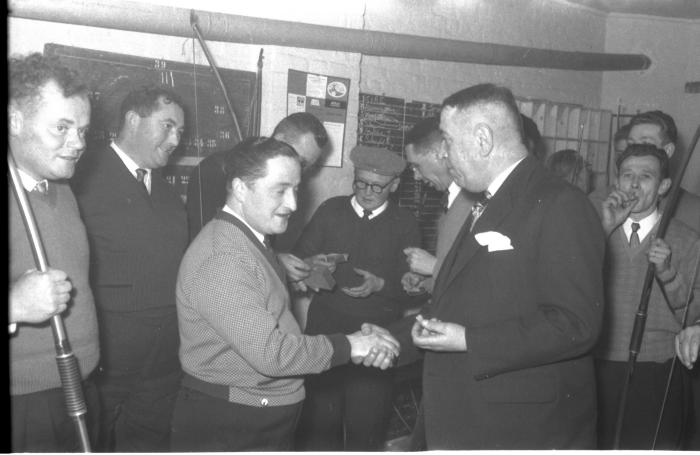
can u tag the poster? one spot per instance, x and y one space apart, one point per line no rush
326 97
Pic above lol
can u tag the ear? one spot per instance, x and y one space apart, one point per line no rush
15 119
394 184
670 149
483 135
132 118
238 189
664 186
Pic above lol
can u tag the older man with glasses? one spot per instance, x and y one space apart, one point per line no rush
348 408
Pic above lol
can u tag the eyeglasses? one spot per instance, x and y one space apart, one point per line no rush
375 187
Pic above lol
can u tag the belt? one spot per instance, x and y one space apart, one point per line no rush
207 388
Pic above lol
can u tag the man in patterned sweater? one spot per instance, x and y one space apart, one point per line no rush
630 217
241 349
348 408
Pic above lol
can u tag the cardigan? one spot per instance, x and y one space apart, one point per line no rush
32 353
235 321
625 270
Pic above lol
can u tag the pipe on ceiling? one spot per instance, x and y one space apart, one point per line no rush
165 20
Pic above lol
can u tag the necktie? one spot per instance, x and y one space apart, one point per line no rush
479 208
141 177
41 187
365 214
444 200
634 238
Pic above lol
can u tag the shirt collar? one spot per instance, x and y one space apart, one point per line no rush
361 211
500 178
646 224
452 192
28 182
128 161
257 235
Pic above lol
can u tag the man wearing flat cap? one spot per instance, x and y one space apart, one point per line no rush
349 408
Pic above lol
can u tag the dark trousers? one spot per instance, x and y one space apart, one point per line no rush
40 422
646 393
346 408
204 423
136 411
692 437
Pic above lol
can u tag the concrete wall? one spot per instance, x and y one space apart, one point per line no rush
674 48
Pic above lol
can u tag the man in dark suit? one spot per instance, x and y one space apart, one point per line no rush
137 229
517 304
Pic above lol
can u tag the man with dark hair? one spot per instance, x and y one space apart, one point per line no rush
517 305
48 116
425 156
242 351
206 192
533 139
569 165
630 218
137 227
658 128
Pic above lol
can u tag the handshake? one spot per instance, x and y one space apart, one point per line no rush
373 346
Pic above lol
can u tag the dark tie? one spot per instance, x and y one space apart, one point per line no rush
266 242
41 187
141 177
478 208
365 214
634 238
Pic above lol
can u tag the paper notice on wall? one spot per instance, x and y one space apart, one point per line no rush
326 97
336 133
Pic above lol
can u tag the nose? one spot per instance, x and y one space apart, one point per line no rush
635 182
75 139
290 199
174 137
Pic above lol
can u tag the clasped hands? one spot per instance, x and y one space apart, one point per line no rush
373 346
430 334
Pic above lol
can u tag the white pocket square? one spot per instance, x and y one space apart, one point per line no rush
495 241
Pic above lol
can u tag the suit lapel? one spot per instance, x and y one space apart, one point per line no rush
496 212
123 175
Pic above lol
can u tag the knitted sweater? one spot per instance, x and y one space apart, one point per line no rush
625 271
236 326
32 353
374 245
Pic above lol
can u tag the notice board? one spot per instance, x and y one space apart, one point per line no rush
326 97
208 124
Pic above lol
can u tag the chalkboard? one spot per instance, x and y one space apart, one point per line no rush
383 122
209 126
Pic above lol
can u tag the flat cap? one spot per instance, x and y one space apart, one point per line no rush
378 160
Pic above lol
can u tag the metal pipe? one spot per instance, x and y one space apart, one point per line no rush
68 368
165 20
